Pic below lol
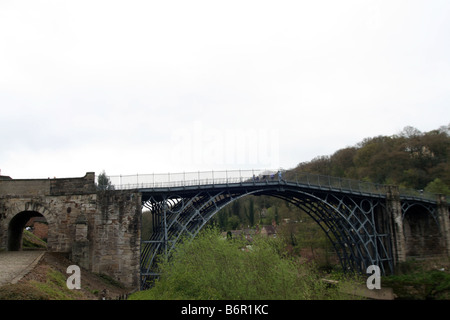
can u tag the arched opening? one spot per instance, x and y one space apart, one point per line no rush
422 236
36 228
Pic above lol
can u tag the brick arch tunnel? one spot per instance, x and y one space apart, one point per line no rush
16 227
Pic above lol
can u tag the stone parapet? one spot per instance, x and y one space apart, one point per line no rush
46 187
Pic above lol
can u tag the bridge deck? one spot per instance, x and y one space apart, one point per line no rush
194 181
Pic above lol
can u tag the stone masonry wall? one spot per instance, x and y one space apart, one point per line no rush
44 187
116 230
60 212
99 229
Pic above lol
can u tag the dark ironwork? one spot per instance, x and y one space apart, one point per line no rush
352 214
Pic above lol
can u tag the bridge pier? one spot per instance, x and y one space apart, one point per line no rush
80 247
444 221
394 208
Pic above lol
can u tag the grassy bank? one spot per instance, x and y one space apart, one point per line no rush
52 287
421 279
47 281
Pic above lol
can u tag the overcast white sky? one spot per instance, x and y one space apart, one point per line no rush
171 86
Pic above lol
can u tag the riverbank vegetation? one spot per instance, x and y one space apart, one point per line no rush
421 279
215 267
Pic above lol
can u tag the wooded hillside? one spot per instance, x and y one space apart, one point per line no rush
409 159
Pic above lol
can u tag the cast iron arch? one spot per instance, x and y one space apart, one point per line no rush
426 209
349 223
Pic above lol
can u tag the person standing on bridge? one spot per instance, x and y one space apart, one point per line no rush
279 176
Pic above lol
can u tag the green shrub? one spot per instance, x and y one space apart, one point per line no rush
211 267
421 285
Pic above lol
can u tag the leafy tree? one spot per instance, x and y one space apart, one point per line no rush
103 182
147 225
409 132
276 216
210 267
236 207
251 212
222 219
437 186
233 222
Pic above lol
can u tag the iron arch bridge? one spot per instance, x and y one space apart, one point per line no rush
362 220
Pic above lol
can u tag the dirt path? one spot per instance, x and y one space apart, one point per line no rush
14 265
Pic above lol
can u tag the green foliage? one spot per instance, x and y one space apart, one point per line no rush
213 267
54 288
22 291
431 284
421 279
251 213
30 241
437 186
147 225
409 159
103 182
233 222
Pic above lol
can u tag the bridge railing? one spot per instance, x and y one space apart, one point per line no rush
185 179
418 194
182 179
335 183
